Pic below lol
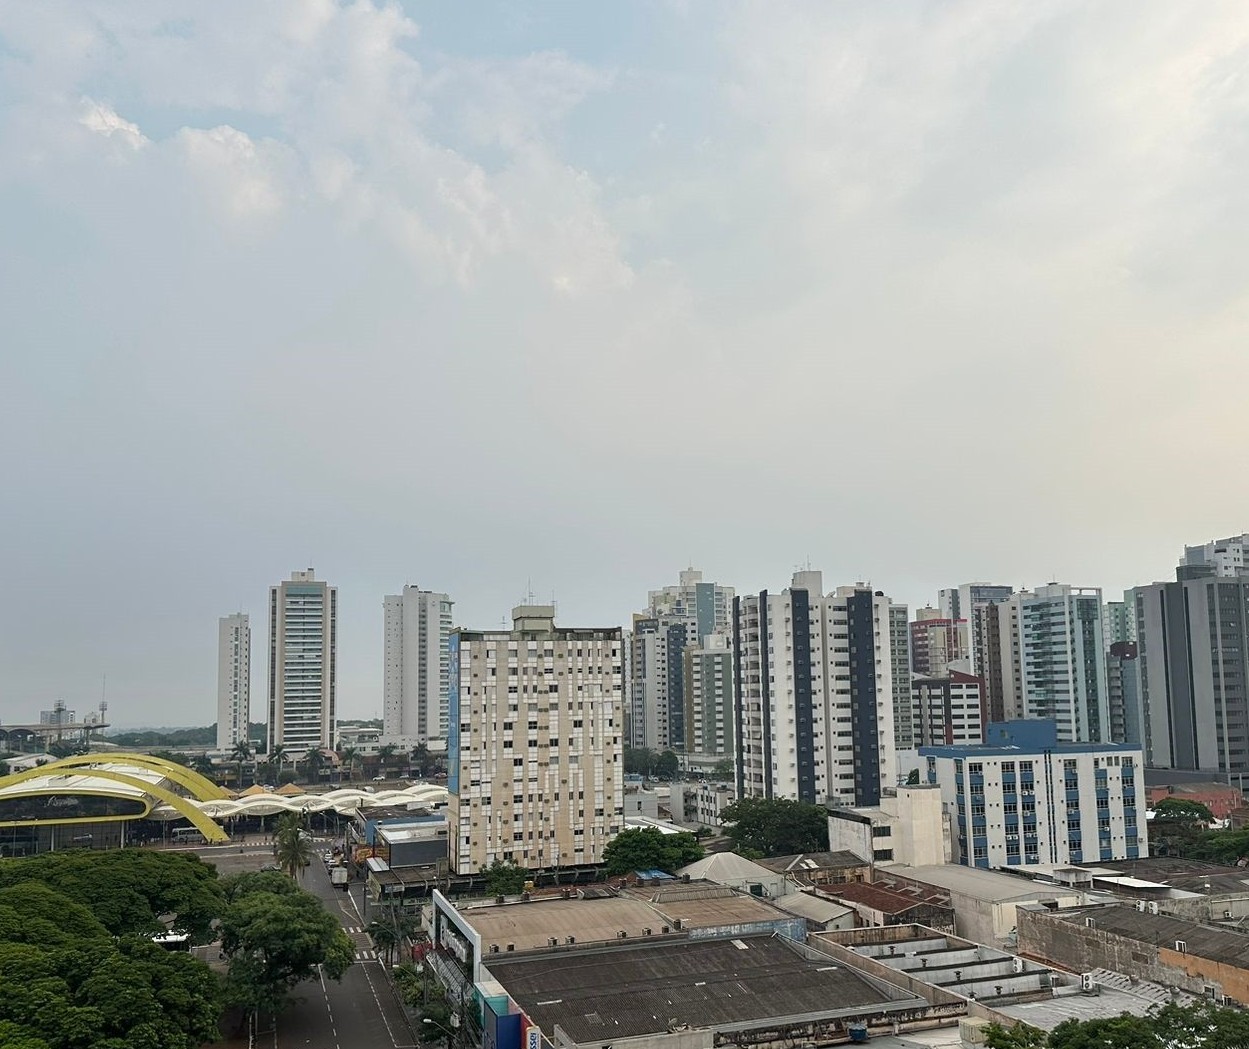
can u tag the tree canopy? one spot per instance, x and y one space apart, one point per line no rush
275 935
130 891
1183 810
505 879
69 981
776 826
1203 1024
643 761
648 848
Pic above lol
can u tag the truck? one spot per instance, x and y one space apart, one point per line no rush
339 876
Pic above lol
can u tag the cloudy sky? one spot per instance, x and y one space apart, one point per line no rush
565 296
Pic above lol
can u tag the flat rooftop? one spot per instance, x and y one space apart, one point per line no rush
1177 873
627 992
977 883
1048 1013
698 905
530 925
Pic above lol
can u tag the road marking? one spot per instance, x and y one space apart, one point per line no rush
380 1011
326 991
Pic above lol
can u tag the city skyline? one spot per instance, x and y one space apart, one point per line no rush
298 276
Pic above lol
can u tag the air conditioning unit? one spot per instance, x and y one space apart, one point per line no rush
1086 981
676 924
552 941
664 929
646 931
570 939
1181 946
1227 914
1153 906
622 935
494 948
1017 964
511 946
1089 923
1140 906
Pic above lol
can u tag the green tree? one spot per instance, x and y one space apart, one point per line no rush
292 845
274 935
314 761
349 756
204 766
776 826
505 879
912 778
130 891
241 754
648 848
385 937
4 768
639 761
1021 1036
667 765
723 769
386 756
418 759
1178 826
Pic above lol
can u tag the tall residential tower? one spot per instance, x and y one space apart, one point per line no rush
417 667
303 652
234 668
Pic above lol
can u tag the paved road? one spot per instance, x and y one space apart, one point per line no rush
358 1013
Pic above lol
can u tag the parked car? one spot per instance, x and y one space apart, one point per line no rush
379 778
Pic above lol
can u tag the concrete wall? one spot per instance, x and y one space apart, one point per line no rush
1083 948
1208 908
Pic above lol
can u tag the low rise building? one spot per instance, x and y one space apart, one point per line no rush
819 912
820 868
879 905
908 826
1203 960
1024 797
1219 798
737 872
984 902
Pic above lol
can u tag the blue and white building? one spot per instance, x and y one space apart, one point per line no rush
1023 797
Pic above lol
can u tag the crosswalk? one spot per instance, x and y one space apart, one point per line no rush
363 954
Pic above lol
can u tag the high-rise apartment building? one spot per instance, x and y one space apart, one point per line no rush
709 721
534 743
960 604
417 672
234 669
936 642
815 694
949 709
1193 663
1027 797
998 657
656 707
1225 558
709 604
303 654
677 617
1063 661
900 676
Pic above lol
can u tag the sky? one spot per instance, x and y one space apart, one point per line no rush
501 298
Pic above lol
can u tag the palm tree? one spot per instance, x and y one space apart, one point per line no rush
292 844
418 759
273 766
241 754
347 756
385 938
314 759
204 766
384 755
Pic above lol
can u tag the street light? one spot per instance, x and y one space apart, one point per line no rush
449 1033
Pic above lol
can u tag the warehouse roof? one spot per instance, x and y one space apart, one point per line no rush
1161 930
989 886
602 995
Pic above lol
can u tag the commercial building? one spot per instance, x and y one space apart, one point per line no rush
1026 797
1192 637
303 663
534 748
417 630
1203 960
234 670
984 902
815 692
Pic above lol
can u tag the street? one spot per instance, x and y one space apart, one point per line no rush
358 1013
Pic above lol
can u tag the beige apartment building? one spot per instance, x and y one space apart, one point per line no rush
534 751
